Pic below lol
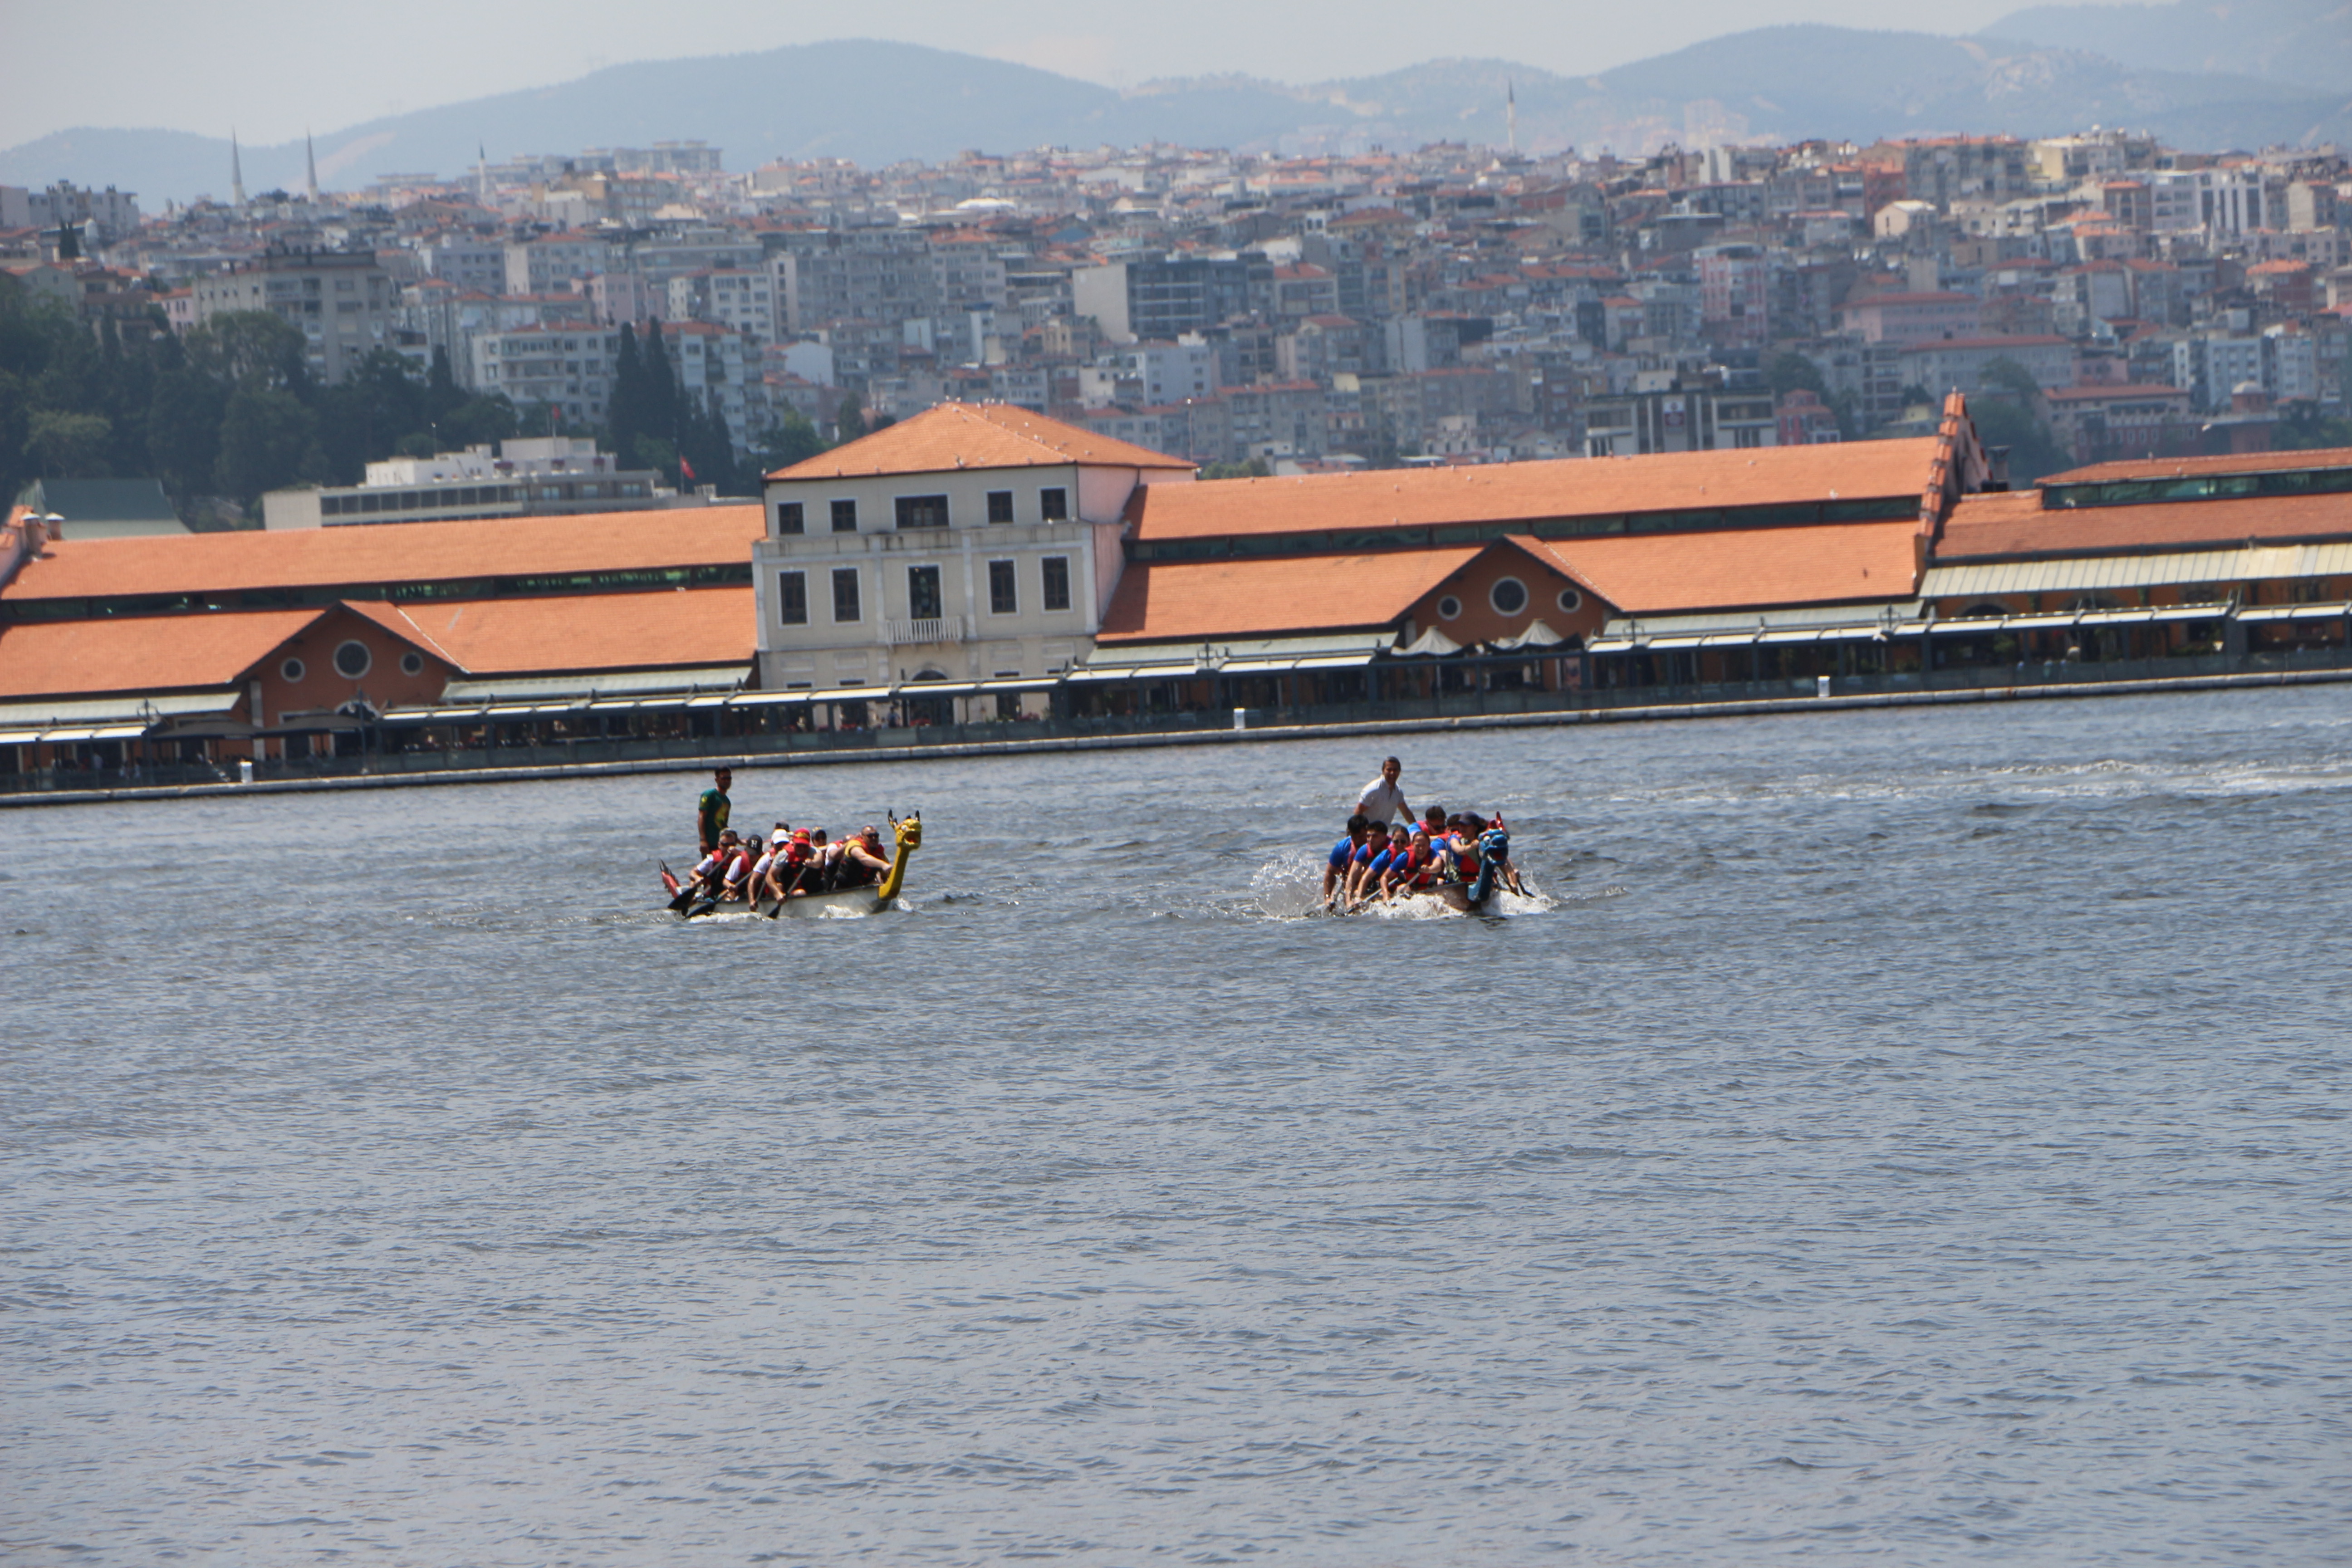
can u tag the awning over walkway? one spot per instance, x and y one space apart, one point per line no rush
119 717
1841 623
1264 656
2078 574
1982 625
534 690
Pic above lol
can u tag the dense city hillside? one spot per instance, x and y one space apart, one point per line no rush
878 102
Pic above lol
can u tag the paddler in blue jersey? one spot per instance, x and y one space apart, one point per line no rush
1387 849
1343 855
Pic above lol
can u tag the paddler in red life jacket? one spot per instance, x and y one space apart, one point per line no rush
735 881
789 865
710 871
1461 852
1415 872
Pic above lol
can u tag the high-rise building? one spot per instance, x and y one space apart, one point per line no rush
342 302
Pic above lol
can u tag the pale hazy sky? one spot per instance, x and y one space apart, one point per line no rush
271 66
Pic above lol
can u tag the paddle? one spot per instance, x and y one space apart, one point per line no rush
789 887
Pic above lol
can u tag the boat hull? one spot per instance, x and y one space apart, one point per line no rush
848 902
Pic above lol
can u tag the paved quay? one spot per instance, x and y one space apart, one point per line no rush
1253 736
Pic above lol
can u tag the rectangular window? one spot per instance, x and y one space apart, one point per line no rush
789 519
1000 506
845 517
923 593
1054 504
844 594
1002 599
1057 582
922 512
792 598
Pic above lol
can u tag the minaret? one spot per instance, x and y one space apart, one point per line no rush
482 173
236 172
310 166
1511 112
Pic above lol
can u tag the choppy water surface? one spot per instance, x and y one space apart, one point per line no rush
1912 1137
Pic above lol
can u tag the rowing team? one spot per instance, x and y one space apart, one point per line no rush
1376 861
795 861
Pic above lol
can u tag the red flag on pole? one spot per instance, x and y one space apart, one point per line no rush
686 467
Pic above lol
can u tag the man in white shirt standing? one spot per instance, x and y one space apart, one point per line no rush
1382 800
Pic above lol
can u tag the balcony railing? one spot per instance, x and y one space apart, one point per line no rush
929 628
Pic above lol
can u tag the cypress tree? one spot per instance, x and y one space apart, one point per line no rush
624 413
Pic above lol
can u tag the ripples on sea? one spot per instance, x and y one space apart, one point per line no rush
1906 1136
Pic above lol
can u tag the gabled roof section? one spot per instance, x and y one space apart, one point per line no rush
1171 601
370 554
141 653
1740 568
2200 467
2016 525
952 435
568 632
1530 491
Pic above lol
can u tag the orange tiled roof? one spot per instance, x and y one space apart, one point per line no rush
140 653
953 436
1740 568
1512 493
2188 468
569 632
1992 527
1171 601
369 554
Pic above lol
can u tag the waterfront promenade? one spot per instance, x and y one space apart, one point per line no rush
1464 711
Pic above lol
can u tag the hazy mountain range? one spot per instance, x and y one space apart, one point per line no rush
877 102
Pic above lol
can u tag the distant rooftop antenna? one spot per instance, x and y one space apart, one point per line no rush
236 171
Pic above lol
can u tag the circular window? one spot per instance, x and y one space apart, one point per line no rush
412 664
353 659
291 671
1509 596
1448 607
1570 600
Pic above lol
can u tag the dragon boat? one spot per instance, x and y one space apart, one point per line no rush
869 899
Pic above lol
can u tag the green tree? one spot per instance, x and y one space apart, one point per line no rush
1255 469
268 440
184 424
478 420
790 439
252 345
2302 428
364 418
2005 413
625 409
849 419
69 446
2004 377
1790 371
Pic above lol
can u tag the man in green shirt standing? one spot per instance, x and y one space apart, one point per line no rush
710 812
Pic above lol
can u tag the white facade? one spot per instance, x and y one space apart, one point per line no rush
2220 201
569 369
343 304
880 580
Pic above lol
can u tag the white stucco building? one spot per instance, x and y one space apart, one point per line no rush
971 549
